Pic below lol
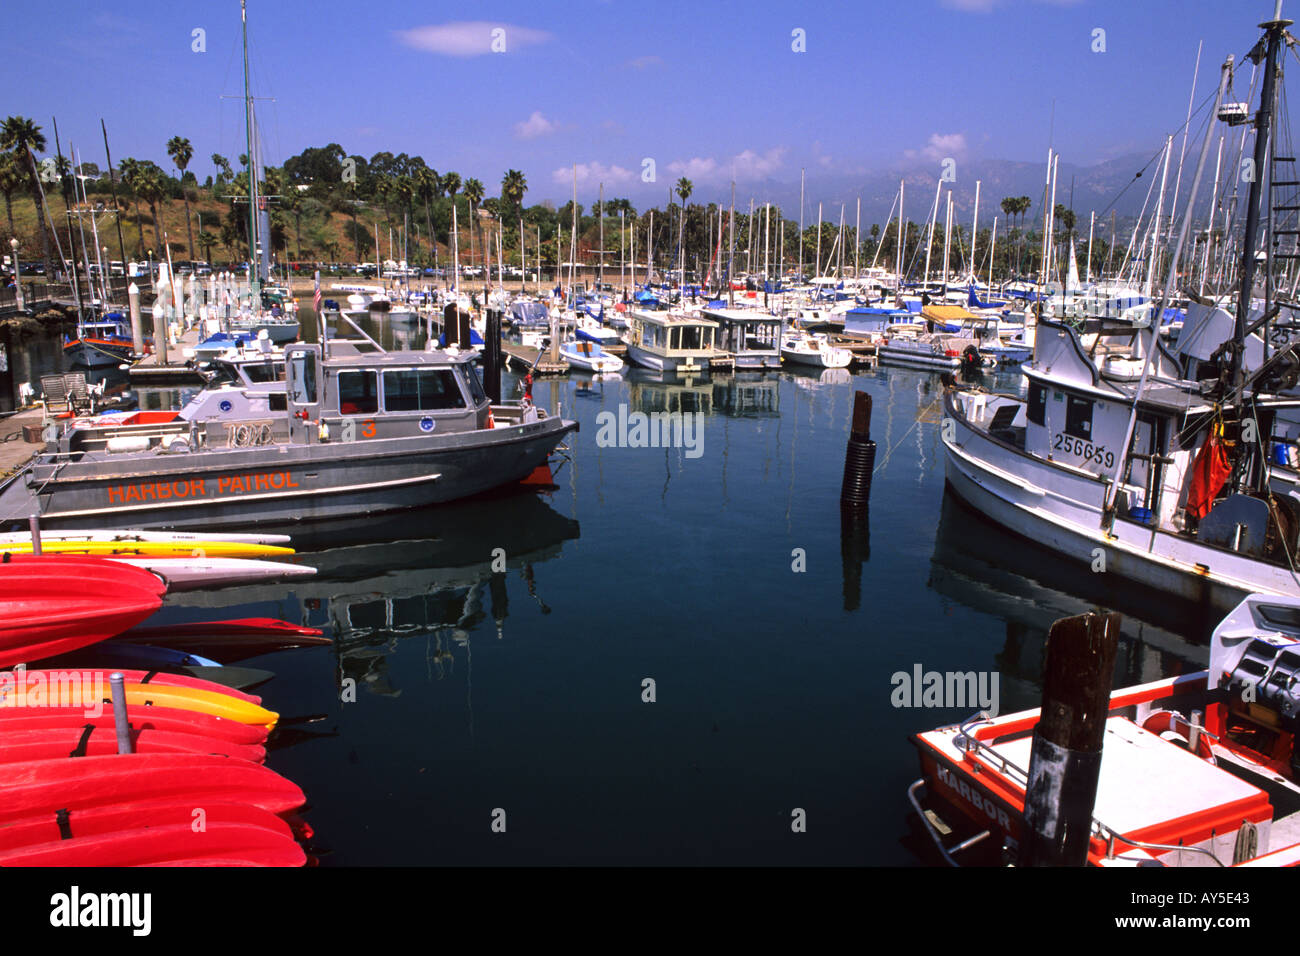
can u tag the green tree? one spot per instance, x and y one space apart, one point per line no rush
12 179
181 152
23 137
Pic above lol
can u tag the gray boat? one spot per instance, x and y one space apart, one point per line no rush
353 433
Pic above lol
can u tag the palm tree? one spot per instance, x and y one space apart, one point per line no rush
224 175
513 187
474 193
181 152
153 190
12 179
427 186
19 135
451 184
132 171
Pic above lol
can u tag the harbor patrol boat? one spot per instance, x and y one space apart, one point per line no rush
349 433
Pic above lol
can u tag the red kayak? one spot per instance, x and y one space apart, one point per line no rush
51 604
91 677
261 628
155 836
217 729
44 786
91 740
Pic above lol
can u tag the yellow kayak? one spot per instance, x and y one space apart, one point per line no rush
71 694
199 548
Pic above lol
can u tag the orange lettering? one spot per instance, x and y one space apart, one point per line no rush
196 486
277 480
164 490
132 493
368 430
180 488
260 482
288 477
116 494
223 484
147 492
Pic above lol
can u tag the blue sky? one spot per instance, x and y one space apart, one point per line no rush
704 89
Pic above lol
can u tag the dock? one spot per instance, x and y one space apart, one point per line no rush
526 358
148 369
15 449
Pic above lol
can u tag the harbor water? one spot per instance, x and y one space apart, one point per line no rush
677 655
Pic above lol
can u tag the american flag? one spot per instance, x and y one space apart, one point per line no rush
315 297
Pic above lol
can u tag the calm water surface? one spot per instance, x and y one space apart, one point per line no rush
521 690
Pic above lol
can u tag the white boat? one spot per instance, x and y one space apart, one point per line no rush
589 357
752 336
927 349
188 574
1052 467
802 348
670 341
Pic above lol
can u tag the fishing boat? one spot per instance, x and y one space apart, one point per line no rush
101 343
588 356
352 432
814 350
1196 770
670 341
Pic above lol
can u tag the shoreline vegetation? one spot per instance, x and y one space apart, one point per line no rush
329 206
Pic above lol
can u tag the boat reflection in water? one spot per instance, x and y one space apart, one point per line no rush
989 570
649 392
436 573
747 394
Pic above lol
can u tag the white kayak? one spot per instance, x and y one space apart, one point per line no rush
192 574
109 534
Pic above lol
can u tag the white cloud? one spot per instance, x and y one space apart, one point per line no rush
470 37
593 173
939 147
745 165
695 168
536 125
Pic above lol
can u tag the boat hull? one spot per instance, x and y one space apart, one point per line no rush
1062 510
665 363
282 484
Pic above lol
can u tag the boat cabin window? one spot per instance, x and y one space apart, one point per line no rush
1078 417
408 390
1037 404
303 379
264 372
476 391
358 393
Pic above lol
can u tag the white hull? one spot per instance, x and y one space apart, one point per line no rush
89 534
1061 508
926 359
188 574
664 363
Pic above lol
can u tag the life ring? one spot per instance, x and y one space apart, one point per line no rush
1174 727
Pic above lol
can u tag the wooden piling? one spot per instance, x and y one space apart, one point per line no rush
1065 758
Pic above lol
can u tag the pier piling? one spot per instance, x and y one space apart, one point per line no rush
492 356
859 456
1065 759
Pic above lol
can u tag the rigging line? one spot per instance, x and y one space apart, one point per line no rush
1160 152
1268 478
890 451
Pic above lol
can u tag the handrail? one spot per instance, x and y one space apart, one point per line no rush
966 742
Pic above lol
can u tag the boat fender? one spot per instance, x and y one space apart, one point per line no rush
490 422
1174 727
323 432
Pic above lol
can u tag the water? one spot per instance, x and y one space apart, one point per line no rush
522 690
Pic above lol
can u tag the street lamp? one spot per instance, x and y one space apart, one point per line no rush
18 277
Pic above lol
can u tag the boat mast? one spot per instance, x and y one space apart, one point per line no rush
974 229
801 175
929 237
255 285
1274 30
